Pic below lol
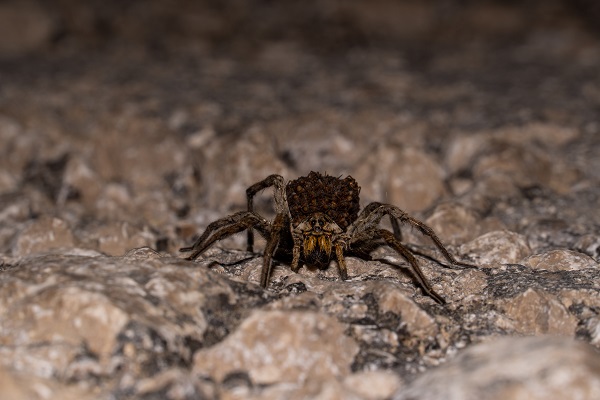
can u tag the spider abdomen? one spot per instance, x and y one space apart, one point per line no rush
335 197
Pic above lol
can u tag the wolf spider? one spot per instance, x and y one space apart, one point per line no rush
317 216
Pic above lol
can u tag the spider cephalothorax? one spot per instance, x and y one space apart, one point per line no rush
317 219
321 207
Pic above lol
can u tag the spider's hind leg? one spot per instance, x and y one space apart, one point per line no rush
391 241
278 184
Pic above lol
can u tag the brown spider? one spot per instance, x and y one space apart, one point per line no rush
317 216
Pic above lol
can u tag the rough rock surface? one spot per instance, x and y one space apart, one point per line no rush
514 368
125 129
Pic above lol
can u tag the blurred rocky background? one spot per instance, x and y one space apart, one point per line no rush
127 126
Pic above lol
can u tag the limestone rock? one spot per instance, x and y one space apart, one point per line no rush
371 385
407 177
513 368
43 235
281 347
454 224
534 312
497 247
73 316
560 260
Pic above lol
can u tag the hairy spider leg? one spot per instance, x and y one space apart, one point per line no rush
216 225
297 238
391 241
396 228
366 230
278 225
378 210
394 222
339 254
237 222
225 227
278 184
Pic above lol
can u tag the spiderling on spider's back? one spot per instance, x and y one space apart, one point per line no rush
338 198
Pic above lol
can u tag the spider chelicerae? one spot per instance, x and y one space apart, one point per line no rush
317 219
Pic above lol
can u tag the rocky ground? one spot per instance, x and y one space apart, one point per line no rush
126 129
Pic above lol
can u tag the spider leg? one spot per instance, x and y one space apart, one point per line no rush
297 238
278 183
339 254
376 211
214 226
392 241
278 225
225 227
396 228
373 206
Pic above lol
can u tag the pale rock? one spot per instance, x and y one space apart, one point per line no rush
276 346
523 166
560 260
114 201
251 158
467 284
589 244
406 177
67 316
117 238
535 312
11 388
593 327
513 368
43 235
414 180
373 385
418 322
462 150
313 389
454 223
497 247
82 178
23 386
549 134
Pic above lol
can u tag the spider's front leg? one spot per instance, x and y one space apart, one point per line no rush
374 212
278 184
279 224
235 223
226 227
365 230
339 254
